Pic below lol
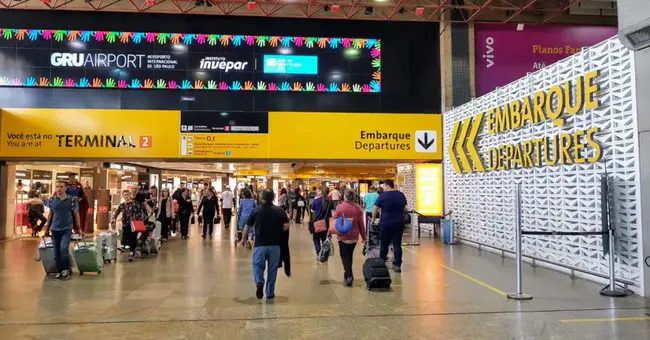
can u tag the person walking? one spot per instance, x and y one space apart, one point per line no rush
335 196
63 218
210 206
391 225
131 210
227 201
270 223
347 242
246 206
165 213
36 212
369 202
299 203
185 212
321 210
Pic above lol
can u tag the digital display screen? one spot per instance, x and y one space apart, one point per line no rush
288 64
186 61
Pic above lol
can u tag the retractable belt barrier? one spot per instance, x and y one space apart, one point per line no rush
607 232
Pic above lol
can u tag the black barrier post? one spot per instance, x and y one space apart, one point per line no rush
519 293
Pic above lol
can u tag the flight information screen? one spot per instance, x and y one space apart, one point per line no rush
187 61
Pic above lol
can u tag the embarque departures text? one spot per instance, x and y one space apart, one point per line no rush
577 147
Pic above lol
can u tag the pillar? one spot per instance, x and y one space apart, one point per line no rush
7 201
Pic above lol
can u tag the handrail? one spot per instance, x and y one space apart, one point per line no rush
534 258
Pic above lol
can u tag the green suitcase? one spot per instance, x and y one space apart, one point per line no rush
88 257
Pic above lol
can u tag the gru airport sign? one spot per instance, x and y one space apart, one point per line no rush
81 134
555 105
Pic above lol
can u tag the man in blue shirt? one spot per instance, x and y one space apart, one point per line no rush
62 219
391 226
369 202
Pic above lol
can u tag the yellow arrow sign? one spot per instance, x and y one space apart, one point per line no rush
452 146
461 142
471 143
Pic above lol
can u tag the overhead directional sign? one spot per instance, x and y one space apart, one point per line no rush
426 141
460 146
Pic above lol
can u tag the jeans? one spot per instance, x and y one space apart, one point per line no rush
319 238
227 216
347 251
185 224
129 237
261 256
165 223
391 234
61 245
208 223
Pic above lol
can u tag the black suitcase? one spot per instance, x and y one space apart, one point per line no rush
376 274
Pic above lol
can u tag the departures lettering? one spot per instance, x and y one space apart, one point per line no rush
383 141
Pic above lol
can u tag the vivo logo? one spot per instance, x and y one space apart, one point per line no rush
489 52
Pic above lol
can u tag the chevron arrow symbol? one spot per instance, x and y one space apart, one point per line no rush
463 137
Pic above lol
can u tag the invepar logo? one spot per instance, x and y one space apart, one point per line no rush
489 52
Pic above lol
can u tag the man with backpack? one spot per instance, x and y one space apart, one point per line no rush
62 219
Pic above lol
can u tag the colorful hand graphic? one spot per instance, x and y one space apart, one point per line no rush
322 42
59 35
33 34
297 86
285 86
200 38
121 84
212 85
376 75
151 37
20 34
375 53
186 85
161 84
321 88
83 82
99 35
236 86
43 82
273 41
135 84
371 43
223 86
334 42
17 82
286 41
97 82
172 85
86 35
188 38
125 37
198 84
213 39
356 88
73 35
5 81
225 40
110 83
261 86
365 88
70 83
111 37
333 88
299 41
345 87
347 42
47 34
375 86
162 38
175 38
248 86
310 86
376 63
7 33
261 40
359 43
31 81
148 83
273 87
137 37
309 43
250 40
237 40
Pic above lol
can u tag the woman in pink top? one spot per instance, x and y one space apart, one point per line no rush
348 242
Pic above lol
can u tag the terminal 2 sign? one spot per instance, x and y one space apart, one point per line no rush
554 105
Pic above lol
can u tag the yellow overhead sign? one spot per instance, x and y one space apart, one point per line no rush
244 173
138 134
78 133
553 105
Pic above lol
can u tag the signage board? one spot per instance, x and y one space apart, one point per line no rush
47 133
42 175
23 174
188 61
505 54
244 173
87 172
428 189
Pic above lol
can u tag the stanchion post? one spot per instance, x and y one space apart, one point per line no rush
611 290
519 294
414 224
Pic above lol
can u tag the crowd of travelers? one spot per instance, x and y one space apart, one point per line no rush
261 225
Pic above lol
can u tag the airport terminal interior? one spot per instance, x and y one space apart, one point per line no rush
340 169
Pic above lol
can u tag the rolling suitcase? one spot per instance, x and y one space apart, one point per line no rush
155 243
46 255
376 274
88 257
107 242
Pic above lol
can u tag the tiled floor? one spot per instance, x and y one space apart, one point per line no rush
203 290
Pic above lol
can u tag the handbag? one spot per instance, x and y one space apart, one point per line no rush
138 226
341 226
193 220
320 226
217 219
301 203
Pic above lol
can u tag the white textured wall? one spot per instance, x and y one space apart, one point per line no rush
565 197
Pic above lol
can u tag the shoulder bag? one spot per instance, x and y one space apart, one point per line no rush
340 226
320 226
